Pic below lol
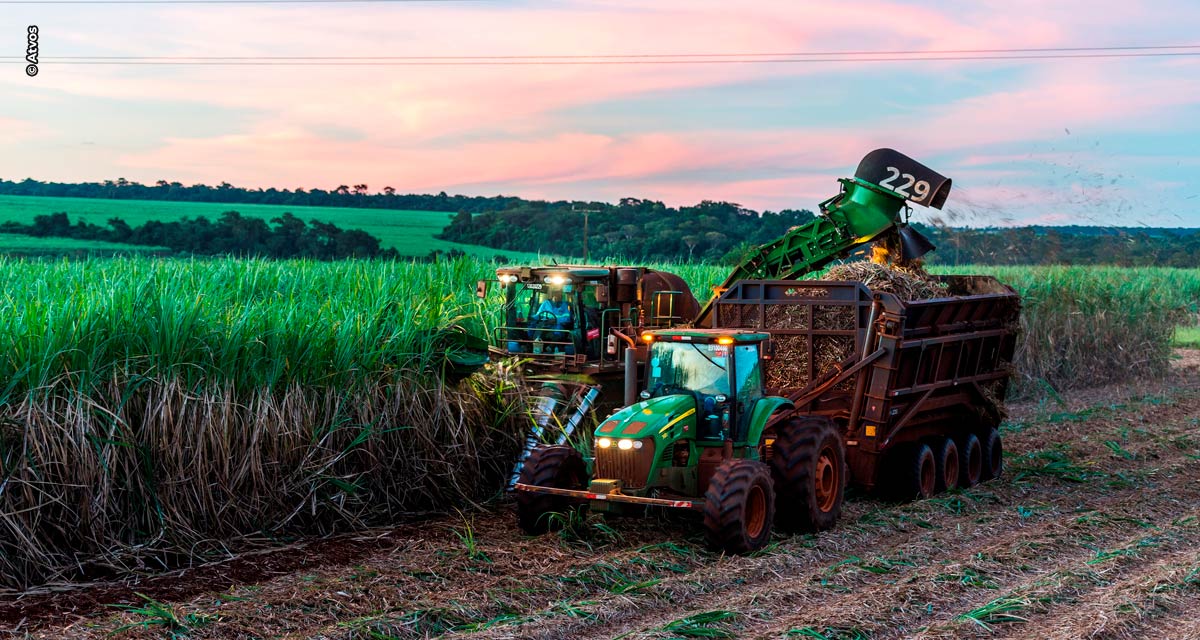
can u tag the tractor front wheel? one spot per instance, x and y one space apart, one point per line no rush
739 506
808 462
555 466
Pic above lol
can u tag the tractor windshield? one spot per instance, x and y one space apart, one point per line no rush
676 366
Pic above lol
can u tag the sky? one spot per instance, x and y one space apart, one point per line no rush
1108 141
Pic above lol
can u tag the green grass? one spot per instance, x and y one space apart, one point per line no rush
15 243
409 232
1187 337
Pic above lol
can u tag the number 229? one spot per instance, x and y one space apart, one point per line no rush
920 188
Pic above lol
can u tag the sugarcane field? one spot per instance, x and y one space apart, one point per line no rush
673 320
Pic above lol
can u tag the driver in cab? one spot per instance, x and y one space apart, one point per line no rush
555 306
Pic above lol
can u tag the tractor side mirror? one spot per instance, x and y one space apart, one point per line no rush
602 294
481 288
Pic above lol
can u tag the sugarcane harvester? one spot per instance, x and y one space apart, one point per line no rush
785 391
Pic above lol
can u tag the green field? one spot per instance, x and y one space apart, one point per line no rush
161 407
409 232
17 244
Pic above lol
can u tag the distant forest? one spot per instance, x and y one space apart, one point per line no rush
632 228
231 234
342 196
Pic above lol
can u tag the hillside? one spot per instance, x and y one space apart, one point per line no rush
409 232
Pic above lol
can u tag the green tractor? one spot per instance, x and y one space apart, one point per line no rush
703 437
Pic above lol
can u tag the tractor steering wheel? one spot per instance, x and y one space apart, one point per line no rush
544 318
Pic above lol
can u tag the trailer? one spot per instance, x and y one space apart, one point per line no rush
891 374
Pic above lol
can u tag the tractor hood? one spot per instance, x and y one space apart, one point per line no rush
652 418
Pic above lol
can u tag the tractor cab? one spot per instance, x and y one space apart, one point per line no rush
720 370
702 404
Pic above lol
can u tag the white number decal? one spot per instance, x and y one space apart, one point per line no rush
920 189
895 174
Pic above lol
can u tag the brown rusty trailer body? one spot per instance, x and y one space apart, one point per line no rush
888 372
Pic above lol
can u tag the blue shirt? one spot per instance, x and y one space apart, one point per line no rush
561 311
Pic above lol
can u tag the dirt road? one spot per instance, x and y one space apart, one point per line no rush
1093 531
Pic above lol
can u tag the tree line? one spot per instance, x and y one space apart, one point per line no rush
232 234
358 195
1037 245
634 229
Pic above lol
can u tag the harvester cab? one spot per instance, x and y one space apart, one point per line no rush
580 319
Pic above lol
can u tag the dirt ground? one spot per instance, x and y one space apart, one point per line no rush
1093 531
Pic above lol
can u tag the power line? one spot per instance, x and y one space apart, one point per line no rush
107 2
375 62
642 56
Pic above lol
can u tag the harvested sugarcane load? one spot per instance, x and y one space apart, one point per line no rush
906 281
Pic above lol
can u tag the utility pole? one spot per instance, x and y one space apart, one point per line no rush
585 213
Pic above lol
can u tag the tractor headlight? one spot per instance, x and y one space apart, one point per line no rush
624 445
637 444
604 443
556 280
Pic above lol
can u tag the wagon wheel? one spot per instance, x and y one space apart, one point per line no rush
970 456
945 453
993 454
914 470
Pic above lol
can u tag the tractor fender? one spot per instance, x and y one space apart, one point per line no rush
761 413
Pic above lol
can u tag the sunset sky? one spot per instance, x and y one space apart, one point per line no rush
1059 141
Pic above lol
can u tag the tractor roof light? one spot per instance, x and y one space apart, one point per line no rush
556 279
725 340
647 338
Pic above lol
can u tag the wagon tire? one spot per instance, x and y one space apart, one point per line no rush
970 457
992 449
557 466
739 506
915 471
949 464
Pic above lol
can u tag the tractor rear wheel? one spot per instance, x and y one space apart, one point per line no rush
739 506
555 466
970 457
916 472
945 452
993 454
808 464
